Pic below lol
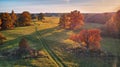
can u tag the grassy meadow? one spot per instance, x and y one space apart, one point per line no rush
57 41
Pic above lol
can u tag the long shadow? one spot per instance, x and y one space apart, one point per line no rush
32 37
12 44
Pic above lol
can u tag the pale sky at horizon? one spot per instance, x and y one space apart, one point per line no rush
37 6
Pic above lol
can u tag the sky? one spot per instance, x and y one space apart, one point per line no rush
59 6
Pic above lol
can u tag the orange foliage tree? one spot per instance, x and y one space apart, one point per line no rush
6 21
14 17
24 19
89 38
73 20
0 24
113 25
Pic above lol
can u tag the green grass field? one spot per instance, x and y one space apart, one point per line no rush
57 41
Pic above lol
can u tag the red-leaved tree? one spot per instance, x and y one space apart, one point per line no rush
91 38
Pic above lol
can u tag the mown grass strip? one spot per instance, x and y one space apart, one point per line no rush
51 54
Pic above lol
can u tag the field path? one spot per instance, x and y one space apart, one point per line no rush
48 50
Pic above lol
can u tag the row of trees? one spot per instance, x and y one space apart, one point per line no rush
9 21
73 20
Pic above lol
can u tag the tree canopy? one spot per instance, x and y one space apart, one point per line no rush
73 20
88 38
113 25
24 19
14 17
41 16
6 21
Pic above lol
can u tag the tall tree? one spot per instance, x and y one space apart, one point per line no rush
64 21
41 16
73 20
113 25
6 21
88 38
0 24
25 19
14 17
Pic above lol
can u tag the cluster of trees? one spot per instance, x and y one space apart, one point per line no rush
100 18
73 20
24 51
10 20
24 19
90 39
113 25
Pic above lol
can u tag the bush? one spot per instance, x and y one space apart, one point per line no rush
2 38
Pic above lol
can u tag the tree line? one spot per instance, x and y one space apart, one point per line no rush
11 20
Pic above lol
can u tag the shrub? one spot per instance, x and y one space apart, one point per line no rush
2 38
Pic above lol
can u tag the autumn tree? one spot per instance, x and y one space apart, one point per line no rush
0 24
41 16
2 38
24 19
25 49
14 17
88 38
73 20
113 25
6 21
64 21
